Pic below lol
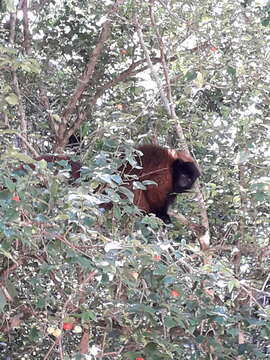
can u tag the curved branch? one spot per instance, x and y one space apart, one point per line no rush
88 71
131 71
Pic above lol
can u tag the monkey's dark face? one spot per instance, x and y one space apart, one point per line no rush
184 175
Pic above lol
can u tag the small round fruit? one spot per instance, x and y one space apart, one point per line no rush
67 326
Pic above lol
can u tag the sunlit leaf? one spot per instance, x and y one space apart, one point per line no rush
12 99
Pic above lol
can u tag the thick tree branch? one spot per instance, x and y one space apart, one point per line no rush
23 124
88 71
26 31
124 75
62 131
164 61
12 24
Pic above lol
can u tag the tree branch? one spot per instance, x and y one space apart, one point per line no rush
62 133
88 72
150 65
26 31
90 66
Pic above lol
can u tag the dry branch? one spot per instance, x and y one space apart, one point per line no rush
62 132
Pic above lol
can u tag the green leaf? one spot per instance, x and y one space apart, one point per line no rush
7 254
53 187
84 262
10 4
168 280
199 339
169 322
149 182
243 156
137 185
107 178
46 268
260 196
10 185
12 99
266 21
233 284
132 161
5 195
152 221
13 154
117 212
191 75
231 70
88 221
86 316
117 179
141 308
199 82
41 303
30 66
11 288
34 334
129 194
160 269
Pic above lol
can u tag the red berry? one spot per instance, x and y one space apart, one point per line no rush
157 257
16 198
67 326
119 106
174 293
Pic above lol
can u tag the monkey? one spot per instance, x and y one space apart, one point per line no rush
174 172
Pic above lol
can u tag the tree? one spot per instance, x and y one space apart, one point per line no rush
111 74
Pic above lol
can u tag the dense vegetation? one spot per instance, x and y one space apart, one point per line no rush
92 79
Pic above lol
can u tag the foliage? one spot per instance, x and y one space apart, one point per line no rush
81 282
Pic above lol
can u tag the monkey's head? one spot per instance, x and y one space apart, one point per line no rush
184 173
